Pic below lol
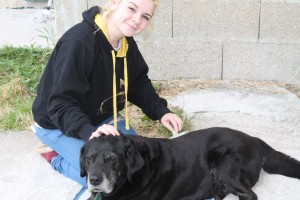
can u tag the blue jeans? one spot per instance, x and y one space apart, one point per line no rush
68 148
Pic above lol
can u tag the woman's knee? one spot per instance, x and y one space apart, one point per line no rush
47 136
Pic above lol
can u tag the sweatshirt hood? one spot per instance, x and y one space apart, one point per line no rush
89 16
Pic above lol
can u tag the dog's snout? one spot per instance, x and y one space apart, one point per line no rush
94 180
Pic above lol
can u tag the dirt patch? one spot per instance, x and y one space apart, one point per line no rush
171 88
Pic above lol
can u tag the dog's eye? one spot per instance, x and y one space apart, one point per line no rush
89 159
109 157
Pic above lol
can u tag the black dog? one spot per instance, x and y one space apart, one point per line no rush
199 165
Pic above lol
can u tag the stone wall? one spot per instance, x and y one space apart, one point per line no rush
215 39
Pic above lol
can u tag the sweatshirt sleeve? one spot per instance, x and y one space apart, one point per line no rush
72 66
141 90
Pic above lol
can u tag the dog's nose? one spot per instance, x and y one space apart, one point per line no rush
94 180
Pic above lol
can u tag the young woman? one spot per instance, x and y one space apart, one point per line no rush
95 69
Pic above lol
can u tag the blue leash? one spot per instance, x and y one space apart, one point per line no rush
78 195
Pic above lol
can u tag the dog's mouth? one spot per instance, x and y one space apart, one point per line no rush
104 187
96 190
99 189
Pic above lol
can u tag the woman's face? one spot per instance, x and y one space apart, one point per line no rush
131 17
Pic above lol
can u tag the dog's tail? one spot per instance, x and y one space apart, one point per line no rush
275 162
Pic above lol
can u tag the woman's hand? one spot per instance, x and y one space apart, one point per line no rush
172 122
105 129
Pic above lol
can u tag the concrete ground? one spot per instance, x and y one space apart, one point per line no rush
26 175
269 112
18 27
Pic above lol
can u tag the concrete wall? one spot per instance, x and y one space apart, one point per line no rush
215 39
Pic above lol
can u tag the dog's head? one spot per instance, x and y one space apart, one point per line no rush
108 162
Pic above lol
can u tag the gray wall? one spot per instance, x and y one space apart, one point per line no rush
215 39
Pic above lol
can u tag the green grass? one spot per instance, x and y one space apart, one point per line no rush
24 62
20 71
186 123
148 124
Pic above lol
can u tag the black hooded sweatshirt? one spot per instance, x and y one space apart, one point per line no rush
76 88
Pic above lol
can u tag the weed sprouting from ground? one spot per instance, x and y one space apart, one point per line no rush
147 124
48 34
149 128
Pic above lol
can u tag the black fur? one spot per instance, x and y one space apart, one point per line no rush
199 165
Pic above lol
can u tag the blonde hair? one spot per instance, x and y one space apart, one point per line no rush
106 11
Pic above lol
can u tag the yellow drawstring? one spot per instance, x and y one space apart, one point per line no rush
114 90
126 91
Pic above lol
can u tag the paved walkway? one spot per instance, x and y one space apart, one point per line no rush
271 113
18 27
26 175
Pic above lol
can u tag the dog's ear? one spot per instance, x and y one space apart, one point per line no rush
82 161
134 160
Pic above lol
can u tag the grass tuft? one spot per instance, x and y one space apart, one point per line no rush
14 88
186 123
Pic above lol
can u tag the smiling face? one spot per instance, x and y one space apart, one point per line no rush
129 17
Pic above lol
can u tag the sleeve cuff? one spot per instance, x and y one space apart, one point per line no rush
161 112
85 131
